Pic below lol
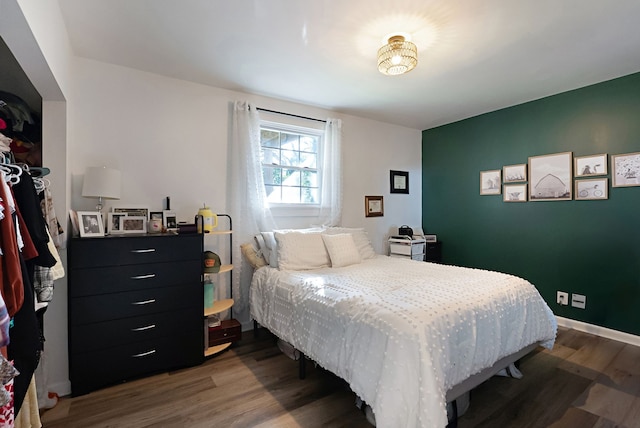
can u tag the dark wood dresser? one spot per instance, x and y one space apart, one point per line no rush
135 307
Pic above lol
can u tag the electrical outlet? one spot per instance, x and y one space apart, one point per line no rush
563 298
578 301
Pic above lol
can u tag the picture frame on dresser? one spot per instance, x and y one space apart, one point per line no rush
133 224
113 223
90 224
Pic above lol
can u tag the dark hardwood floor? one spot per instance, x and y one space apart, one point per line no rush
585 381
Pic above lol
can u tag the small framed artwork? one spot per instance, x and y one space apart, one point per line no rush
133 224
90 223
626 170
73 218
490 182
133 211
169 220
515 193
155 215
550 177
113 222
514 173
399 181
594 189
373 206
586 166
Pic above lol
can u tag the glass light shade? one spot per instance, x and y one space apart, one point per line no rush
397 57
101 182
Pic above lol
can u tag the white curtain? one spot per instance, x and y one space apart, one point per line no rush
331 174
247 198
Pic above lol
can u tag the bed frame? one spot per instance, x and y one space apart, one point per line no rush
457 390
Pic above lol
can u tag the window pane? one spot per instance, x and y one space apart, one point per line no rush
290 141
291 195
309 196
290 158
273 193
272 175
290 177
309 178
308 143
271 156
269 138
308 160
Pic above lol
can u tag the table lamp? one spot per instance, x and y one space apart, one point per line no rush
101 183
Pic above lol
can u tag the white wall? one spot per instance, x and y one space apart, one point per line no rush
169 138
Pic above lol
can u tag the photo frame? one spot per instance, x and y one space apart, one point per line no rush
514 173
399 181
90 223
155 215
625 170
169 220
592 189
588 166
113 222
490 182
73 218
373 206
550 177
133 211
514 193
133 224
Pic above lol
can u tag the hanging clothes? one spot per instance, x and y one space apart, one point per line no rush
12 282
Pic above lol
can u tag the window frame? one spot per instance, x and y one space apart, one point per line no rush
281 209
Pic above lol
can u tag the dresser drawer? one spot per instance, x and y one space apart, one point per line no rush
96 336
127 250
104 307
113 279
93 370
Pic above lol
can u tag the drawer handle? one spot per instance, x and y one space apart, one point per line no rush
146 250
144 354
147 327
151 275
144 302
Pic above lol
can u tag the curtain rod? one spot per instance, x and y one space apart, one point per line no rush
292 115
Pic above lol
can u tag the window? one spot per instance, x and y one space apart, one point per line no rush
290 163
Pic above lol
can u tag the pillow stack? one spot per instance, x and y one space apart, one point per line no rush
304 249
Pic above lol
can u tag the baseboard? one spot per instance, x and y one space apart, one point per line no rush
600 331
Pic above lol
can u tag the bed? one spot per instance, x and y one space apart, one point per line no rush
407 336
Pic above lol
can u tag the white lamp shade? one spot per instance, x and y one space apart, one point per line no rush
102 182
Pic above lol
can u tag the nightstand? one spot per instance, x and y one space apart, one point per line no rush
407 247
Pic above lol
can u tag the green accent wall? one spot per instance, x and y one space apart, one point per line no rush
584 247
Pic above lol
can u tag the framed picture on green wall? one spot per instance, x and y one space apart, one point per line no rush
514 193
490 182
514 173
593 189
550 177
587 166
626 169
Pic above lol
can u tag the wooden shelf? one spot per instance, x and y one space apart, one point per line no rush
218 306
219 232
215 349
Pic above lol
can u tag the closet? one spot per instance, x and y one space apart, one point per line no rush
29 234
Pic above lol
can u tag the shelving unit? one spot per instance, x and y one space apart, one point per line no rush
223 305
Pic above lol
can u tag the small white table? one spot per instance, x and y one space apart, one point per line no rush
407 247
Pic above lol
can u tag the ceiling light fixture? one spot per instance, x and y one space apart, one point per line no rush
398 56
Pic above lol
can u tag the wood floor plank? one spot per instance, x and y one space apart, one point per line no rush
585 381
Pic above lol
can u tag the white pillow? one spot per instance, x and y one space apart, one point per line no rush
271 253
342 249
301 251
360 238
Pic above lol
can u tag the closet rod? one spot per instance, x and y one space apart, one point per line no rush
292 115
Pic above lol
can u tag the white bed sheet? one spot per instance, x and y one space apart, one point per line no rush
401 332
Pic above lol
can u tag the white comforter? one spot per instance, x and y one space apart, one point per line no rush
401 332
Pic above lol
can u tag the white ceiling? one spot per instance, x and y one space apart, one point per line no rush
475 56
